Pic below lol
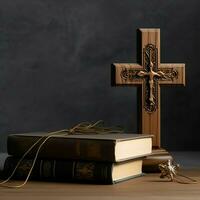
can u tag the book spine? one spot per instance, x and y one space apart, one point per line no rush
64 148
58 170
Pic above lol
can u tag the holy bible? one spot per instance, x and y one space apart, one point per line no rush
95 147
74 171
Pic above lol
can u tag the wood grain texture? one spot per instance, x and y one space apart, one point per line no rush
151 121
118 69
180 68
149 187
136 74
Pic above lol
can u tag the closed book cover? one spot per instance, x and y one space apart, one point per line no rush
75 171
95 147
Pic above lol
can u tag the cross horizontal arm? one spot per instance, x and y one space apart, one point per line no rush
125 73
174 73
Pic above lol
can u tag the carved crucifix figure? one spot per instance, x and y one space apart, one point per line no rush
150 74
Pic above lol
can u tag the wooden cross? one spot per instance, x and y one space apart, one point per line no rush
150 74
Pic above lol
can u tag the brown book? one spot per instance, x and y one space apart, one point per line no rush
95 147
74 171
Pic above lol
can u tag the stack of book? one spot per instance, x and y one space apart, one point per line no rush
93 158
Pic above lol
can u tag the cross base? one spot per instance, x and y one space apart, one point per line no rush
158 156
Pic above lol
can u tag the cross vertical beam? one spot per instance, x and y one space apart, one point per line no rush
151 120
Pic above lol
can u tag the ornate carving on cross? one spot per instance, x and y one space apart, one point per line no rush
149 74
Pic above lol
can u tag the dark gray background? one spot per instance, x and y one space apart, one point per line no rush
55 61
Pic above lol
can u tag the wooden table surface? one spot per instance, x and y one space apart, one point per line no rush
147 187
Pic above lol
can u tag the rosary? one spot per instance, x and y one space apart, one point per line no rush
170 170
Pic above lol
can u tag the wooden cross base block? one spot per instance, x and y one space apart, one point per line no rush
158 156
149 75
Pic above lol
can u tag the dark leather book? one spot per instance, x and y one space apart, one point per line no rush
75 171
95 147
